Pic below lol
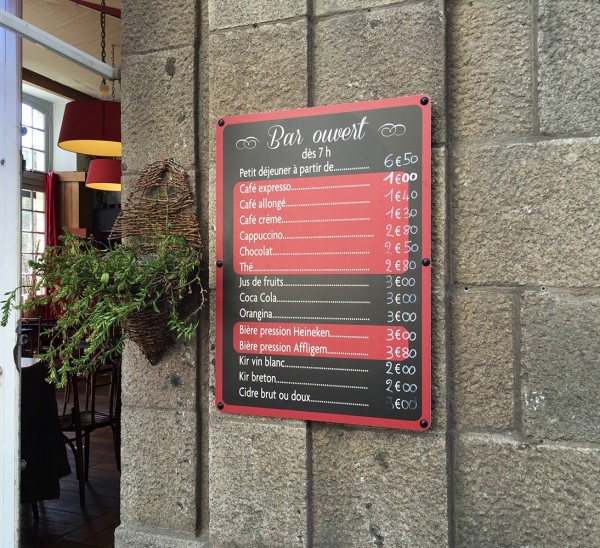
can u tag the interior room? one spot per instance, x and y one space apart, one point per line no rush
450 397
59 193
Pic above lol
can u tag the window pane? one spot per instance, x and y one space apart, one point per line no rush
39 139
26 242
39 119
39 201
28 155
39 243
25 258
39 161
27 139
26 115
39 223
26 202
26 224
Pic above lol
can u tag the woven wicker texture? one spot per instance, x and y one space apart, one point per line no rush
160 202
148 329
160 196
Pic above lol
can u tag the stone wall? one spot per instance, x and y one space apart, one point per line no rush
512 457
161 422
523 167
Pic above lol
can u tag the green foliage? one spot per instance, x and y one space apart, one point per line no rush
94 289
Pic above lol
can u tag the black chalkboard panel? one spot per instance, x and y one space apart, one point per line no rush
323 263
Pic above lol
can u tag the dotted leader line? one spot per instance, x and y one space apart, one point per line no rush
320 318
314 270
328 187
325 220
349 168
341 403
348 353
349 337
311 253
326 285
328 204
322 385
325 368
324 302
328 237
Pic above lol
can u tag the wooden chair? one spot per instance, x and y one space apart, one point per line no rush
78 425
43 453
31 329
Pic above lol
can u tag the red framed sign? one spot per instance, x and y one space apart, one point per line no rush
323 263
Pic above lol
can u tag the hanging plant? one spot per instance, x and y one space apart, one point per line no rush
30 294
136 289
96 290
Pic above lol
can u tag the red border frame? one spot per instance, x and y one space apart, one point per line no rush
425 270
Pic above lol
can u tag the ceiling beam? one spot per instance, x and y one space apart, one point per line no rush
114 12
52 85
38 36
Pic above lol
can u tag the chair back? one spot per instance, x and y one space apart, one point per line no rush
30 329
100 410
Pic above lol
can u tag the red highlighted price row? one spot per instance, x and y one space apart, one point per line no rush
346 224
353 342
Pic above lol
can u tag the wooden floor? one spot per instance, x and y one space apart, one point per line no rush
63 523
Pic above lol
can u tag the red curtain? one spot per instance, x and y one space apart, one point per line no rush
52 198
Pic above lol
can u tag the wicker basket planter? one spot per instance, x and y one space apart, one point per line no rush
149 330
160 202
142 288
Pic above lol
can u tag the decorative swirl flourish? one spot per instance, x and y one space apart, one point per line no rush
247 144
392 130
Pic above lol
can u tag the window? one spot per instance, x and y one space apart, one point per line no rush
36 121
33 232
34 137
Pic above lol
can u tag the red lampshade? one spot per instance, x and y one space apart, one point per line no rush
104 174
92 127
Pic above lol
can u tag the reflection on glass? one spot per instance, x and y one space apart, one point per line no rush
39 223
26 199
25 258
26 243
28 156
26 221
27 139
39 119
39 201
26 115
39 139
39 243
39 161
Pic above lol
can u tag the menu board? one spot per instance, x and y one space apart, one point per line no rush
323 263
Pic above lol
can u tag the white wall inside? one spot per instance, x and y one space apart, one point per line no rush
62 160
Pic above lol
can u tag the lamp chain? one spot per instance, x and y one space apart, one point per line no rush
113 65
103 33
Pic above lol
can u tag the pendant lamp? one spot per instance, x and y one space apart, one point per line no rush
92 127
104 174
